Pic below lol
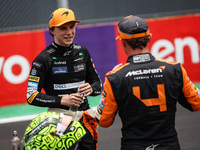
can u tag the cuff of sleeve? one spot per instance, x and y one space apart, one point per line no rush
58 101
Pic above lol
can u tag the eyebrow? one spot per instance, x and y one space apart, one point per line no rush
73 25
70 26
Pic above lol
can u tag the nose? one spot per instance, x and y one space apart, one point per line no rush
68 31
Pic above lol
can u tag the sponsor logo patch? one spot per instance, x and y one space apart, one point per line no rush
50 51
67 53
59 62
143 72
32 84
97 114
101 105
37 65
141 58
77 47
30 90
34 78
32 97
103 97
152 147
68 85
59 70
79 67
78 59
33 71
99 110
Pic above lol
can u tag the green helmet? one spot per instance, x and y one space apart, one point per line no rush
41 134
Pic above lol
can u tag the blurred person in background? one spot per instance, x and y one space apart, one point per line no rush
65 71
144 92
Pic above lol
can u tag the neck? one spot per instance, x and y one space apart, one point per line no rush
61 45
130 51
62 48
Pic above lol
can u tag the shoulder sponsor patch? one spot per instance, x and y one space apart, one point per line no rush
60 69
37 65
32 84
34 78
51 51
33 71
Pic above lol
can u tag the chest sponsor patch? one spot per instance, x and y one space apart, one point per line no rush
59 62
79 67
68 85
60 69
79 59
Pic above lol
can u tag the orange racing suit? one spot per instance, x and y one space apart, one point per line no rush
144 92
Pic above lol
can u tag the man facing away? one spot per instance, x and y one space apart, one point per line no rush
64 70
144 92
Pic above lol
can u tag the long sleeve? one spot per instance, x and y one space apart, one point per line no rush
92 77
37 78
190 97
107 107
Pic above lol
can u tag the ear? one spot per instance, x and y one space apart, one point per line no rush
51 30
123 42
150 36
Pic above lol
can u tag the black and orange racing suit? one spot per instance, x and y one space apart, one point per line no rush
59 71
144 92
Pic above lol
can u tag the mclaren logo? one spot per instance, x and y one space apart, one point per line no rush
144 71
66 13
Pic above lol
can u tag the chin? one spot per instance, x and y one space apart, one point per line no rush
68 44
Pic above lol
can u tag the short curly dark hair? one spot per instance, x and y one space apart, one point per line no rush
138 42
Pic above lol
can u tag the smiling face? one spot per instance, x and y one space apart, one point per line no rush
64 34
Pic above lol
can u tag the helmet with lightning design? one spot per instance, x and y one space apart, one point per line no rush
52 131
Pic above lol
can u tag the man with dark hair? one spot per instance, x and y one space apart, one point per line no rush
64 70
144 92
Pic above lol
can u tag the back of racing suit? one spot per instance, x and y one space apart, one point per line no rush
144 92
59 71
